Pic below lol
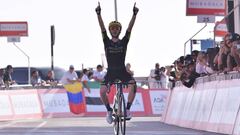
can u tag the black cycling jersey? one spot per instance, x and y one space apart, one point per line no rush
115 54
115 51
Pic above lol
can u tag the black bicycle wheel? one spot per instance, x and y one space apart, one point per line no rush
122 120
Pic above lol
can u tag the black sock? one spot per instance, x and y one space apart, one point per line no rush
128 105
108 107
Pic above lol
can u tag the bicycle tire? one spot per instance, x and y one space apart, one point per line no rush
122 120
116 118
116 125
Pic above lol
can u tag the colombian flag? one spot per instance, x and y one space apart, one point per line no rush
75 98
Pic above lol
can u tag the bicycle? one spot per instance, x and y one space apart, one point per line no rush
119 108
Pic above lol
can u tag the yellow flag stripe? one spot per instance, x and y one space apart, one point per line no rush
73 88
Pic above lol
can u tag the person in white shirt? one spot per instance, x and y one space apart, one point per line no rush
99 74
85 79
70 76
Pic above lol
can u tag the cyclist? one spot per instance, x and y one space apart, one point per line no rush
115 50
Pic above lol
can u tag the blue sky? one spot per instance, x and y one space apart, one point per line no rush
159 33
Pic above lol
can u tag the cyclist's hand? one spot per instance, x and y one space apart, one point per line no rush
98 9
135 9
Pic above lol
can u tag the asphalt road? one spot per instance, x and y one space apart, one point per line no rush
92 126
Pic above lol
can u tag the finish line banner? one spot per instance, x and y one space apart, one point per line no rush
206 7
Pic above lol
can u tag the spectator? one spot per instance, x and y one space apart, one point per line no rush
233 59
171 76
220 59
1 77
90 74
156 75
189 75
211 54
174 71
178 67
36 79
50 79
70 76
85 79
7 78
202 67
163 78
223 66
195 55
128 68
99 74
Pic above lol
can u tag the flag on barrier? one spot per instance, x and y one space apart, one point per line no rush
93 100
75 98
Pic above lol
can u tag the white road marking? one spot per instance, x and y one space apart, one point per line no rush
29 132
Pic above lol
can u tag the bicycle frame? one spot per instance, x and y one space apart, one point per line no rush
119 109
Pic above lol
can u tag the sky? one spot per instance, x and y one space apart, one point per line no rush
159 33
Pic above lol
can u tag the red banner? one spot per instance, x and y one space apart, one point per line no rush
206 7
220 29
13 29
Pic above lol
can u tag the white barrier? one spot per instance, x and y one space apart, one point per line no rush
212 106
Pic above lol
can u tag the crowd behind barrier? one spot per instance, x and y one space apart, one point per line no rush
44 76
211 104
224 58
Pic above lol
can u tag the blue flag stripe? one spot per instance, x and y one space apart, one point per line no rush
75 98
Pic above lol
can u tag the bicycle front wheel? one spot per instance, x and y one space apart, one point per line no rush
122 119
116 125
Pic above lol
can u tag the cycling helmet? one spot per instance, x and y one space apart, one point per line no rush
115 23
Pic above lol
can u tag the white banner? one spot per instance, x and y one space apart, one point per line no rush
137 105
5 106
206 7
55 103
26 104
207 4
206 19
158 101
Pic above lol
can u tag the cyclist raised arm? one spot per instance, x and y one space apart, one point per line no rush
115 50
135 11
98 11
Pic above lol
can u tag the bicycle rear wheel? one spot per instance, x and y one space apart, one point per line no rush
122 119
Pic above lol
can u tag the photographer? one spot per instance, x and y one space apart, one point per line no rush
157 77
157 72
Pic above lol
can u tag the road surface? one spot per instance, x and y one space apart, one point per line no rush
92 126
